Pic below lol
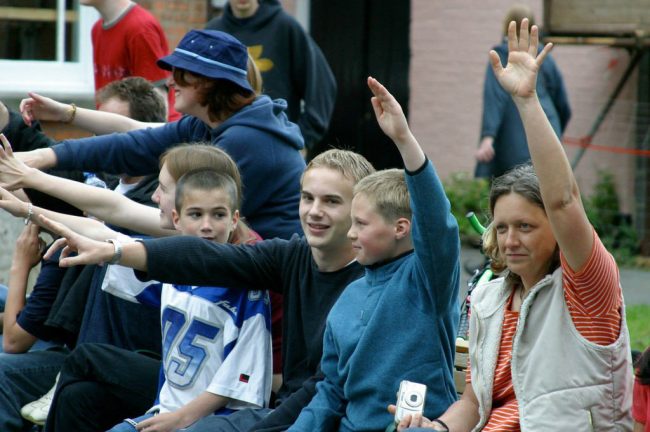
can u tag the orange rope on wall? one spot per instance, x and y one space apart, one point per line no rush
585 142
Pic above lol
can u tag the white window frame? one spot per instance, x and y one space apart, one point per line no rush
57 78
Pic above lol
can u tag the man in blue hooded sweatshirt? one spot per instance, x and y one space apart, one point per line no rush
211 84
292 65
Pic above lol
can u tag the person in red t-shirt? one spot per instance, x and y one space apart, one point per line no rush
127 41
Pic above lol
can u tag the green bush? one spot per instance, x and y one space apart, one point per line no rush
638 323
616 232
467 194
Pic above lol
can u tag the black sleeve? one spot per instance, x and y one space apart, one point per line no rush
195 261
288 411
23 137
37 306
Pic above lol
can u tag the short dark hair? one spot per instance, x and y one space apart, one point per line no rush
146 104
206 180
222 97
642 367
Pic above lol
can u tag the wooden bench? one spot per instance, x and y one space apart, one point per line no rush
460 364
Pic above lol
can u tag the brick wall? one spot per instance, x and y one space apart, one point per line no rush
450 43
177 16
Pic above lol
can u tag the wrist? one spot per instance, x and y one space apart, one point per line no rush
19 268
70 113
440 425
29 213
117 252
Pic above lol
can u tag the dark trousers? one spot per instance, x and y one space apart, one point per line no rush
100 385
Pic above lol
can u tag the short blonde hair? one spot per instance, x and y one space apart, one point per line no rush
349 164
387 190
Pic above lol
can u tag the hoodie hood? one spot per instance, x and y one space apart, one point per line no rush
267 117
266 11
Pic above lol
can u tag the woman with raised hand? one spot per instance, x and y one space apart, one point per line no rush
549 347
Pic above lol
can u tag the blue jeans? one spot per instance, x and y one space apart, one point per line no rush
128 425
23 379
239 421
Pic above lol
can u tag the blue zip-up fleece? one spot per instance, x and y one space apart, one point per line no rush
396 323
259 137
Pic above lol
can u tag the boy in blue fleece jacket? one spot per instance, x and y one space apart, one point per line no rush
399 321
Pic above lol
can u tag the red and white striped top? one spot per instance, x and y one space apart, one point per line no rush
594 300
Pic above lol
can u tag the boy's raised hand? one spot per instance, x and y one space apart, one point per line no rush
519 77
388 112
392 122
88 251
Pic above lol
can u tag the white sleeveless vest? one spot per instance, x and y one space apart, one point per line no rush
561 380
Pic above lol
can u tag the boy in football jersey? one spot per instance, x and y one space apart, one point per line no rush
216 342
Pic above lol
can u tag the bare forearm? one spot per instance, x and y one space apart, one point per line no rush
411 152
462 416
102 123
556 178
204 404
134 255
15 339
104 204
42 158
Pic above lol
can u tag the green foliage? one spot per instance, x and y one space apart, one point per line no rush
638 323
467 194
617 234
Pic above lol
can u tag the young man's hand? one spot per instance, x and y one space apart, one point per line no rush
166 422
88 251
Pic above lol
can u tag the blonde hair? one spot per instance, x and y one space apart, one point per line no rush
349 164
191 157
387 190
254 76
517 13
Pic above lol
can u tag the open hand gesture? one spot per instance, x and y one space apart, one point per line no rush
12 170
388 111
88 251
37 107
519 77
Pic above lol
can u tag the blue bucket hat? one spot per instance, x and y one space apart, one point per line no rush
210 53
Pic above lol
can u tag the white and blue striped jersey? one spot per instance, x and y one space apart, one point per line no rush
213 339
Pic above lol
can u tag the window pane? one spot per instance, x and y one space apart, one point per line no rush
28 30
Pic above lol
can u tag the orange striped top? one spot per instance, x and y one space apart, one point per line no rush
593 298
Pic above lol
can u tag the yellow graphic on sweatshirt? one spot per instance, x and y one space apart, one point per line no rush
263 64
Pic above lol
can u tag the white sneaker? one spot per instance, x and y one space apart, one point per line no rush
36 412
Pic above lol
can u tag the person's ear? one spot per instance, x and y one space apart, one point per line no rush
235 220
176 219
402 228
